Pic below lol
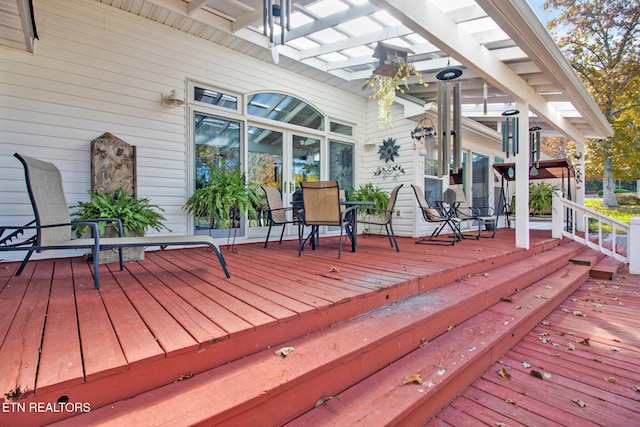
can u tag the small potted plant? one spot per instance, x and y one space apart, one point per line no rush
220 199
541 198
137 216
370 193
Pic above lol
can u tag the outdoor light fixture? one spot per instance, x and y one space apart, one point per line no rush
510 129
276 14
421 133
172 99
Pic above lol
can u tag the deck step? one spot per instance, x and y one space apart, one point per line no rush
606 269
588 257
447 364
265 389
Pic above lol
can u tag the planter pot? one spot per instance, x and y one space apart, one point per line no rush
109 256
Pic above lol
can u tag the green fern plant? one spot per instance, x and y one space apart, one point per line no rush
137 215
541 197
371 193
225 193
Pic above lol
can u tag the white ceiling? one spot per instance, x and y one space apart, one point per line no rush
501 42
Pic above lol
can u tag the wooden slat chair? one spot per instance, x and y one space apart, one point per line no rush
278 214
52 225
384 217
438 217
484 216
321 206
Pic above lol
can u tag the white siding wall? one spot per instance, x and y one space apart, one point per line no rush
97 69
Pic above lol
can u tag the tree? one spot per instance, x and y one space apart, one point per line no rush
600 38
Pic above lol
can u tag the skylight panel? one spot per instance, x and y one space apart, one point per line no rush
386 19
328 35
302 43
416 39
358 51
298 19
479 25
358 2
360 26
325 8
332 57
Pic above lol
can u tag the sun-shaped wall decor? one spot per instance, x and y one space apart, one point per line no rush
388 150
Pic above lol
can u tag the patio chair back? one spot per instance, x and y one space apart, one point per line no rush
435 216
321 201
393 197
274 201
44 184
387 217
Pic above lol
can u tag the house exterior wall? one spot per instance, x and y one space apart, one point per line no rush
97 69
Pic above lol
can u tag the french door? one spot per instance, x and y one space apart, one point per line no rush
281 159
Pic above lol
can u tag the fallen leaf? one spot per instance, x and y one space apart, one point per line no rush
284 351
545 323
486 275
584 341
501 424
547 376
526 365
612 380
571 346
186 377
511 402
508 299
543 340
324 400
518 307
580 403
636 388
535 374
617 349
450 328
548 287
578 313
540 296
566 310
504 374
334 270
415 378
423 342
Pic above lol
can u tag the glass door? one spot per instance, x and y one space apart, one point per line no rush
280 159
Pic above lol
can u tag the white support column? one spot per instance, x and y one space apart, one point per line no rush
557 216
522 178
633 245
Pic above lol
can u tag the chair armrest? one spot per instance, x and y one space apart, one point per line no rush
482 211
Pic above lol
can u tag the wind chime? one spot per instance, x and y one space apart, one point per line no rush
449 120
510 132
422 133
534 147
273 15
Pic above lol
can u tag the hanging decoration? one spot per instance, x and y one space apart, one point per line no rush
392 74
276 14
388 150
449 122
510 129
485 98
534 147
422 133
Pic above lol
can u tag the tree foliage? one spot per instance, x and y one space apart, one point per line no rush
600 38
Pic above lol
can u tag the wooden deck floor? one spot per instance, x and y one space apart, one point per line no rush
174 313
586 355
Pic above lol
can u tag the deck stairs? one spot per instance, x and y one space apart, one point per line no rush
396 365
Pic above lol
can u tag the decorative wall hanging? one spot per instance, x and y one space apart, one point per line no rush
510 130
392 73
113 165
388 150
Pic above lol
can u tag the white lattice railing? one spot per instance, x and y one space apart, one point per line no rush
611 237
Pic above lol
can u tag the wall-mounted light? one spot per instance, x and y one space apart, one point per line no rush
172 99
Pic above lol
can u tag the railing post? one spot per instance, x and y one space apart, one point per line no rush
633 245
557 215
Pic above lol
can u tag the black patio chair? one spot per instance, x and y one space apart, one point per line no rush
441 218
483 216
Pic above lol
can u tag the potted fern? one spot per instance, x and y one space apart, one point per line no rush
137 216
220 199
370 193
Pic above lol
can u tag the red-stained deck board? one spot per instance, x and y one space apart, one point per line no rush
170 335
19 358
137 342
553 393
101 350
474 405
10 296
255 285
255 299
244 315
456 417
60 362
160 286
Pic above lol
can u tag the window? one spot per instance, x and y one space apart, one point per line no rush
341 128
286 109
341 164
215 98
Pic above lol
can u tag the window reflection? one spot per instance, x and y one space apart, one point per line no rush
286 109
